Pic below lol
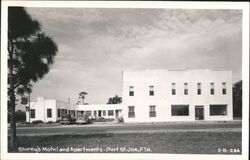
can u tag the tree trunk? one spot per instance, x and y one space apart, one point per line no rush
13 145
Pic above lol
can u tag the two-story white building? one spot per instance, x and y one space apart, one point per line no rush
160 95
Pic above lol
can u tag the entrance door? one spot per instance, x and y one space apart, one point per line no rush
199 113
116 113
99 113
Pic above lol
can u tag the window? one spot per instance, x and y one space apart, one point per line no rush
180 110
65 111
49 113
131 112
173 89
224 90
110 112
94 113
74 113
104 112
218 110
212 88
88 113
152 111
185 88
58 113
151 90
199 88
62 113
32 113
131 90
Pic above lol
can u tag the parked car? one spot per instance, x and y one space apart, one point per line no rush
67 119
83 119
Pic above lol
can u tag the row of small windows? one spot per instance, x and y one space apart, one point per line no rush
110 113
181 110
199 89
61 112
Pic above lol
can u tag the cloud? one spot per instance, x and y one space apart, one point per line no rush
95 45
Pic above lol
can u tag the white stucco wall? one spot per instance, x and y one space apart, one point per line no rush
163 99
41 105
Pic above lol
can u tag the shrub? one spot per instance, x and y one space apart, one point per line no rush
120 119
19 115
100 119
25 123
37 122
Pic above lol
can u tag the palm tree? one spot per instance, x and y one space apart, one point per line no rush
81 97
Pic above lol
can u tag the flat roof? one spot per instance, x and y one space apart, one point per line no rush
177 69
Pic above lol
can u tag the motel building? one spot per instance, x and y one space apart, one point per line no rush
107 111
52 110
156 95
49 110
162 95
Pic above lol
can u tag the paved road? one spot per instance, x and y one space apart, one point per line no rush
129 128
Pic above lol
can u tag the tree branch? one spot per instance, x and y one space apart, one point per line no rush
18 84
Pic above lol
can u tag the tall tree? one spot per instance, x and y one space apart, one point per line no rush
115 100
81 97
30 55
237 99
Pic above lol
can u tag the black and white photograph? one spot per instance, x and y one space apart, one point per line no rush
106 80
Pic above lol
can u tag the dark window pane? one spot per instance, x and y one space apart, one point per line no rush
151 93
152 114
131 93
218 110
212 91
224 88
58 113
104 112
152 111
173 92
110 113
186 91
88 113
32 113
131 112
131 90
199 91
49 113
180 110
224 91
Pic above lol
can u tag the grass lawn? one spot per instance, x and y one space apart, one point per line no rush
182 143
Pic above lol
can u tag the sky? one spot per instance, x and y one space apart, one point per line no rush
95 45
